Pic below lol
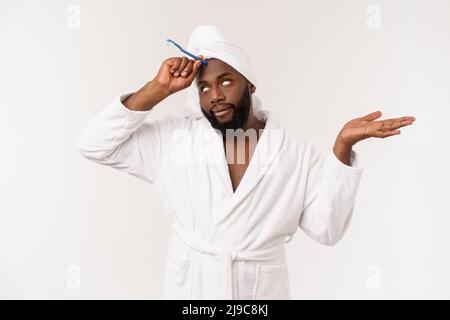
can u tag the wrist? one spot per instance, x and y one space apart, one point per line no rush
343 143
342 150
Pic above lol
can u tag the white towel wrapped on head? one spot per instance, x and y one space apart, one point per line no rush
209 41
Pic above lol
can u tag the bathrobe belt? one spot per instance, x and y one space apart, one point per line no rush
226 258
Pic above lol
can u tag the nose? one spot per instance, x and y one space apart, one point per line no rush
216 95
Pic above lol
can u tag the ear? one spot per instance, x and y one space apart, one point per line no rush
252 88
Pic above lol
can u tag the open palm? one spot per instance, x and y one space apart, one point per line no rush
366 127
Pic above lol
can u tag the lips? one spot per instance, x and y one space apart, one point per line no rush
221 110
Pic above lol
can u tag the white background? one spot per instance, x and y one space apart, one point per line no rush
71 229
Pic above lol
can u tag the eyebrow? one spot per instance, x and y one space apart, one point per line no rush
218 77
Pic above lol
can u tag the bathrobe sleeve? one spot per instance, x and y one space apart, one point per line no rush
120 138
330 195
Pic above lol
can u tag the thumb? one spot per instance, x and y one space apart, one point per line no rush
372 116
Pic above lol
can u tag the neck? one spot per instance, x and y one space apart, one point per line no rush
253 123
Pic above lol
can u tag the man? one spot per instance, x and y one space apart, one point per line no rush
234 184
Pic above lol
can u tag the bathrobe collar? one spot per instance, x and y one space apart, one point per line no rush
264 161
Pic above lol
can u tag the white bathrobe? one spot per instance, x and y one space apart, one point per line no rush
225 244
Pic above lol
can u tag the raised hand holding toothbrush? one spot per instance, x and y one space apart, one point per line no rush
175 74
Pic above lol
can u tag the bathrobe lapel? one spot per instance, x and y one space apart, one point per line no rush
263 162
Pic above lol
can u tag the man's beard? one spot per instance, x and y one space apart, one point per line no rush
240 115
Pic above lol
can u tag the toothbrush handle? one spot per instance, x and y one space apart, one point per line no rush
187 52
195 57
190 54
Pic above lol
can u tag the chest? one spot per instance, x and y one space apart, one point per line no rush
238 155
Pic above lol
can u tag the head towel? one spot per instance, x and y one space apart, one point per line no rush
209 41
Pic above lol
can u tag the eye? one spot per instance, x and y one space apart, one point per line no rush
223 81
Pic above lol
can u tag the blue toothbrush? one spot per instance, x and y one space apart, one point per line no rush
173 43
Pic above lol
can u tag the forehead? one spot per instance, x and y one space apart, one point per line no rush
213 69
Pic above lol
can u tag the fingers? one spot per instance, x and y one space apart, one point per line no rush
372 116
181 65
184 67
385 134
190 67
175 64
195 67
187 69
388 127
393 124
